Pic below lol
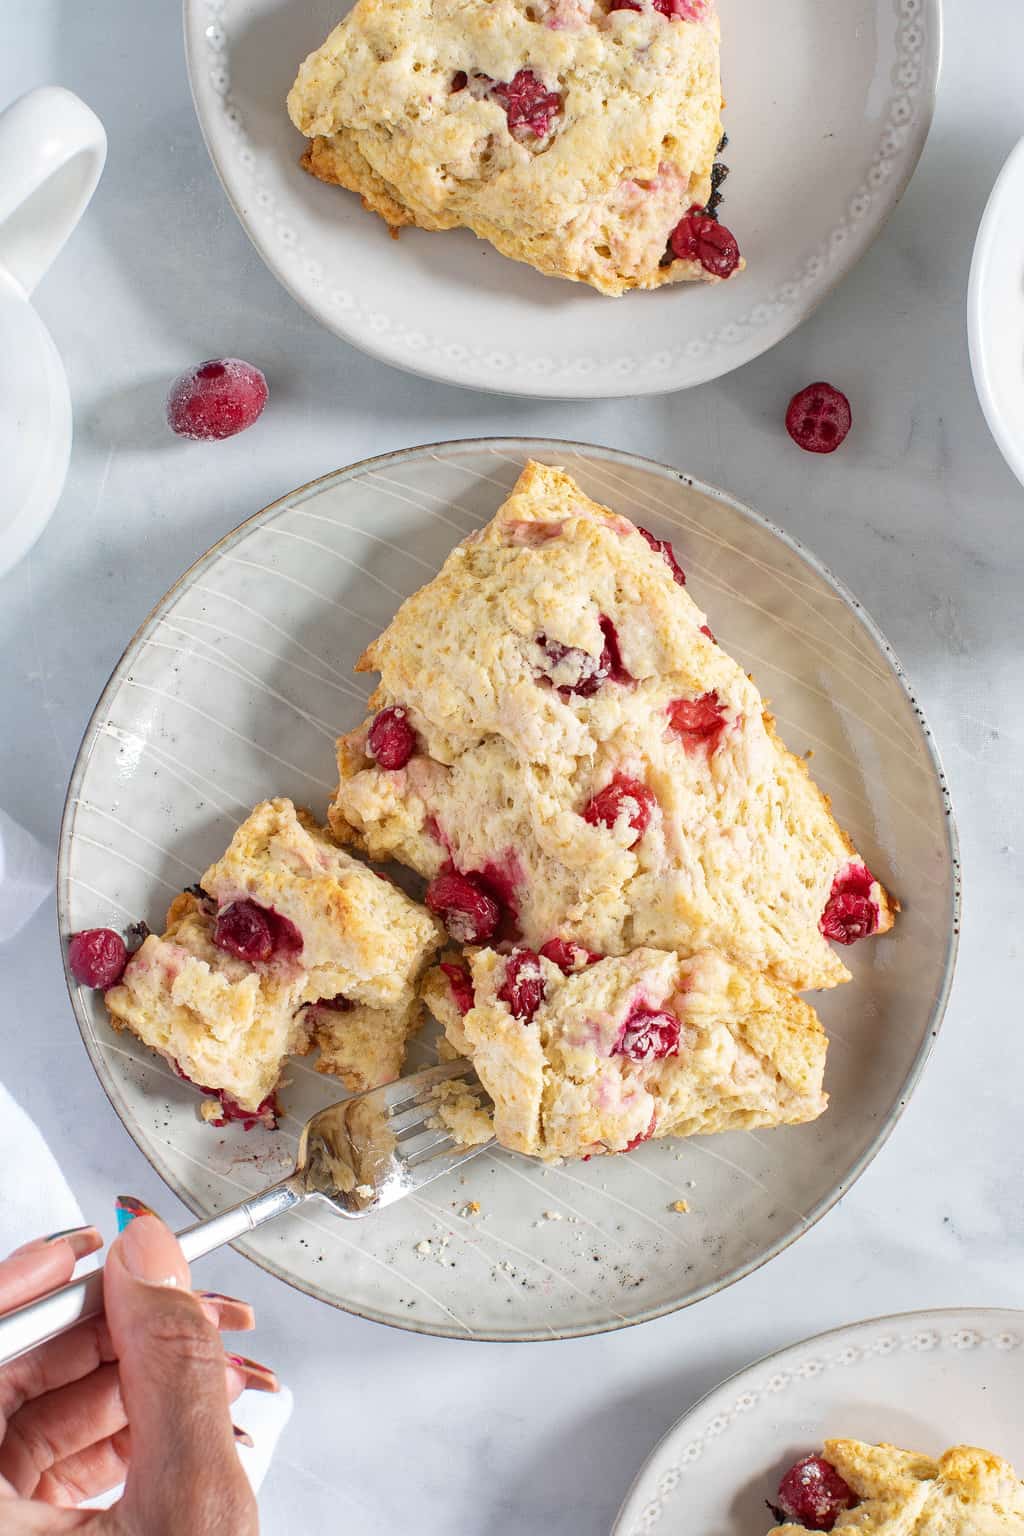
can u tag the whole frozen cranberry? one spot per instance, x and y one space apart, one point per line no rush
97 957
698 721
391 740
461 984
699 237
522 990
567 955
850 914
623 797
818 418
216 399
648 1035
254 933
814 1495
529 106
667 553
467 911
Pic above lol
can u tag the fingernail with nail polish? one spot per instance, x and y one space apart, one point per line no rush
242 1438
127 1208
259 1377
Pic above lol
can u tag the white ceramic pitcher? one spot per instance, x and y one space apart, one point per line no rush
52 150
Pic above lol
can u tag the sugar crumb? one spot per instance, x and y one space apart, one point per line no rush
680 1206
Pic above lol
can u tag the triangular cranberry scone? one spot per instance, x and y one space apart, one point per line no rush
578 136
561 747
287 941
626 1048
879 1490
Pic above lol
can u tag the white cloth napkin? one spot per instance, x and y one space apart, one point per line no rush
30 1208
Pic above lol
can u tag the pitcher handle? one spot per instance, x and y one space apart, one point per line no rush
52 151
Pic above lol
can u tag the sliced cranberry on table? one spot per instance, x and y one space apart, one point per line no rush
461 984
216 399
254 933
622 797
850 913
667 553
567 955
529 106
814 1495
97 957
647 1035
469 913
818 418
391 740
699 237
698 721
522 990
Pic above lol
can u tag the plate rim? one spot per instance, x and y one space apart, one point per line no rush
923 1314
450 372
1011 173
356 469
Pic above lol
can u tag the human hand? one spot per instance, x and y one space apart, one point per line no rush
141 1395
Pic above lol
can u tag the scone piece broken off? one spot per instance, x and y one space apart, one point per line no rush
647 1044
966 1492
564 751
578 136
287 941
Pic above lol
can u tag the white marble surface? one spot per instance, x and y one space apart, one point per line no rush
917 513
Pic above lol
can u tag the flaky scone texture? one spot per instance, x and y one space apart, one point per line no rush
967 1492
351 987
522 723
571 136
584 1072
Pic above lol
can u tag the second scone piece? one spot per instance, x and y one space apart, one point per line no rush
646 1044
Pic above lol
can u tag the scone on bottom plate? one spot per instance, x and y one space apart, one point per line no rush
578 136
879 1490
652 1043
564 751
287 941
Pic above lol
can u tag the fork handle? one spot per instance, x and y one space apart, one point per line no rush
54 1314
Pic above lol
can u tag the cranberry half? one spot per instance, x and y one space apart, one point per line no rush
467 911
461 984
97 957
667 553
699 237
850 914
254 933
529 106
391 740
590 673
623 796
698 721
814 1495
567 955
522 990
818 418
647 1035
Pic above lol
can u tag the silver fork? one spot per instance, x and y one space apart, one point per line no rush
357 1156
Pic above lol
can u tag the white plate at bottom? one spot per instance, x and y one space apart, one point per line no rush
922 1380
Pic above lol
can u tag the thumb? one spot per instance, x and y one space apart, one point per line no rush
184 1473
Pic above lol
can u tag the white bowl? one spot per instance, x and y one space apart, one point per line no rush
995 312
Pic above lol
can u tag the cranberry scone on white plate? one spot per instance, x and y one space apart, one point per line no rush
879 1490
601 1058
286 942
562 748
578 136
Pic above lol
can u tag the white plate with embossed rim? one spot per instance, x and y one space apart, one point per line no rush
234 689
829 108
921 1380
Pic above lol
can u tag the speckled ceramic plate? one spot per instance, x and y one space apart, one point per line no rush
829 107
923 1381
235 688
